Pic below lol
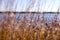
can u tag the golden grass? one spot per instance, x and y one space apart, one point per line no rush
12 29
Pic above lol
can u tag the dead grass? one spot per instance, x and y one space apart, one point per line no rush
12 28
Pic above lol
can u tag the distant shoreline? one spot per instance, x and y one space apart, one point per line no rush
29 12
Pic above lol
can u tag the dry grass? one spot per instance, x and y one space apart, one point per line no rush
12 28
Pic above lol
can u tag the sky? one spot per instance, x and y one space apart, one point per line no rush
30 5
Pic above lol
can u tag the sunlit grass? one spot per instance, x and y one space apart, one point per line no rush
12 28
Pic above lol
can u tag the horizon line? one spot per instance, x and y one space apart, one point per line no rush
26 12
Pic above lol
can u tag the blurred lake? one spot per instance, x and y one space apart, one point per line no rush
48 16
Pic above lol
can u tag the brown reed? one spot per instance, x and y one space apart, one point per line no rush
12 28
